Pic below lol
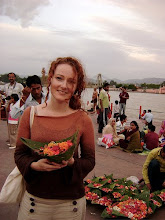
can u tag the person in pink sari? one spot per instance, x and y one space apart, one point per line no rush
161 131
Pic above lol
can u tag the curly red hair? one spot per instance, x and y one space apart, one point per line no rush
75 101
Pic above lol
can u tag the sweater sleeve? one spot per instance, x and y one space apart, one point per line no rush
86 162
24 156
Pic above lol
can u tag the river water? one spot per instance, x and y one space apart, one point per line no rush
155 102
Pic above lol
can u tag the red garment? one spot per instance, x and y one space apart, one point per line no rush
123 97
152 140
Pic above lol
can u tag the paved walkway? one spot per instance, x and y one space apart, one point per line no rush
108 161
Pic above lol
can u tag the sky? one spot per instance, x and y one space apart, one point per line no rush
121 39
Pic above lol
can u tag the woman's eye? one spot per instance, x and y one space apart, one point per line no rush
59 78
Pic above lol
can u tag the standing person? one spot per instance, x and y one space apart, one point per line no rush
57 190
32 96
12 87
12 122
151 138
103 106
116 110
94 99
148 117
154 169
123 98
97 107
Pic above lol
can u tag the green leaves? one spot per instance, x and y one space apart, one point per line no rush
35 145
123 193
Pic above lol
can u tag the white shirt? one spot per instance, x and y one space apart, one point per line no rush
120 126
148 117
17 111
16 88
10 119
116 108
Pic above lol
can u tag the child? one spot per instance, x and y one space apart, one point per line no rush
12 123
144 112
116 110
121 126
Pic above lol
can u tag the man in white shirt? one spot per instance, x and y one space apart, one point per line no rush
122 125
148 117
12 87
32 96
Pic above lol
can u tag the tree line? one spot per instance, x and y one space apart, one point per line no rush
134 87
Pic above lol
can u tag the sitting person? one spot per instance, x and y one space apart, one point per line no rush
144 130
151 139
110 128
132 139
121 125
148 117
154 169
144 112
162 140
162 128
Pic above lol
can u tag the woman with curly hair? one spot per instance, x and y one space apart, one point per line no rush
56 191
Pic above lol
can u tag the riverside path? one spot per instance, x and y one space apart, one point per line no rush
108 161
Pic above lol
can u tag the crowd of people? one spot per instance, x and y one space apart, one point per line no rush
58 115
130 138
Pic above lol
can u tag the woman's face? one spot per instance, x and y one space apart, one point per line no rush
132 126
63 82
113 123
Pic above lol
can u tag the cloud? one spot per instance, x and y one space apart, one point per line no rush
23 10
119 40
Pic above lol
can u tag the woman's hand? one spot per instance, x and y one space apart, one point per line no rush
46 165
148 186
69 162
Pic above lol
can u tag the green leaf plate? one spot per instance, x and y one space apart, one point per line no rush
35 145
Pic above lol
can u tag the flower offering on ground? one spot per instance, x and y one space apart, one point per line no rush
121 197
